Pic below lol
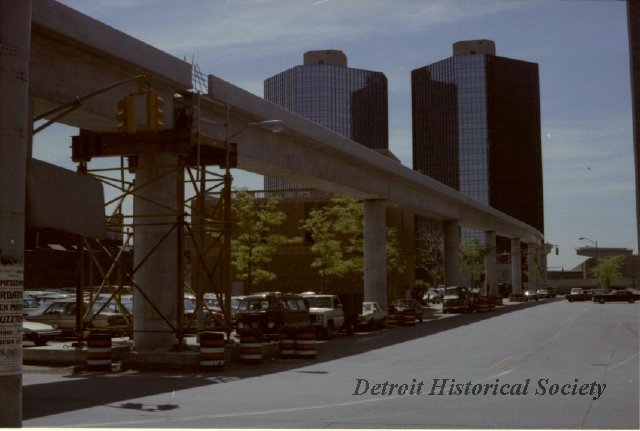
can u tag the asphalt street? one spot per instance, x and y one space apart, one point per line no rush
552 364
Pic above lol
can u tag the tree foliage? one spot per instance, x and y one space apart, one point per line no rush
430 254
256 243
472 255
607 269
338 239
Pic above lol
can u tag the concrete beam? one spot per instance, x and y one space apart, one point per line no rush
317 157
516 266
66 43
451 231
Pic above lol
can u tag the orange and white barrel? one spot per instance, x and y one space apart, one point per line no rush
287 345
212 349
409 317
250 347
306 343
99 356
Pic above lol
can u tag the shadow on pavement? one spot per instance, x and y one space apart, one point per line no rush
83 390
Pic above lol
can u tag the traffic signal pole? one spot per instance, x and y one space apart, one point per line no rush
15 40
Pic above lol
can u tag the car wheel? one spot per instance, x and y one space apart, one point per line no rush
570 300
601 301
40 341
631 301
329 331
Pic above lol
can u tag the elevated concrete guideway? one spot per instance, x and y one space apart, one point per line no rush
320 158
74 55
71 55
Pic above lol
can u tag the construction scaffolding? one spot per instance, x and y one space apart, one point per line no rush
202 229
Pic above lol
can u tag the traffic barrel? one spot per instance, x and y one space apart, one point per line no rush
409 317
212 350
287 345
306 343
250 348
99 354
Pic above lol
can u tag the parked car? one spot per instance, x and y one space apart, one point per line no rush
38 333
212 302
29 306
372 316
400 309
326 313
547 292
62 315
623 295
270 314
457 298
50 295
578 294
531 295
433 295
212 319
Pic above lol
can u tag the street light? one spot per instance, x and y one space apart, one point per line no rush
583 238
274 126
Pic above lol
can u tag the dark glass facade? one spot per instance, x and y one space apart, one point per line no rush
476 128
351 102
633 27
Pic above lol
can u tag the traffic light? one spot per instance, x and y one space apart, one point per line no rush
155 111
127 114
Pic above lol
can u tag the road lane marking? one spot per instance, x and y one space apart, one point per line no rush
504 361
574 316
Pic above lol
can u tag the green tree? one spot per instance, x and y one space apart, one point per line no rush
607 269
338 239
255 243
472 255
430 255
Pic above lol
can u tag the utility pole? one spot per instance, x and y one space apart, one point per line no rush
15 124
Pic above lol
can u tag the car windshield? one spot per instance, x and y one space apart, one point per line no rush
367 307
189 305
576 290
253 304
319 301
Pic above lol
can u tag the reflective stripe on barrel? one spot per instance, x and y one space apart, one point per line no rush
211 349
99 352
410 317
287 345
250 347
306 343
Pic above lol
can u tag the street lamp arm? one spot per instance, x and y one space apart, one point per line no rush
583 238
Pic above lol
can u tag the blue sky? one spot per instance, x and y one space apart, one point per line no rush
581 48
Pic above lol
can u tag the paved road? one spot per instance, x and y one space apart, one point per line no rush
510 370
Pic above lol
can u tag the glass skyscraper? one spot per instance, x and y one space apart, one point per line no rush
351 102
476 128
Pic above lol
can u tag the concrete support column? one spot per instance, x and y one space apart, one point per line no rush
451 231
15 124
531 267
516 266
156 180
490 284
375 253
546 249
